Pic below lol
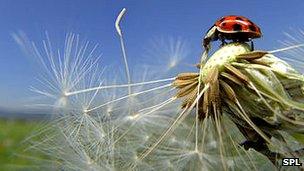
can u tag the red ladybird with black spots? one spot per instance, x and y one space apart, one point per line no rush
232 27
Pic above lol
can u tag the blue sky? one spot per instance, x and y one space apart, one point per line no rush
145 20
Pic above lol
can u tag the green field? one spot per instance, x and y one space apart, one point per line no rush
15 153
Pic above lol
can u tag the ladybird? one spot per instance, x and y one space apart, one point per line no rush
234 28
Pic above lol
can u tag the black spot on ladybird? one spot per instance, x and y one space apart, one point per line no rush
237 27
252 28
250 22
221 20
239 18
224 24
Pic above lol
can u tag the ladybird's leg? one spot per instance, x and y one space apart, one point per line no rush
206 43
247 144
252 45
199 65
222 39
223 42
207 47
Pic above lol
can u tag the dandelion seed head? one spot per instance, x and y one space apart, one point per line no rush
172 139
62 102
213 144
230 163
133 117
85 111
168 164
109 110
173 63
167 53
147 137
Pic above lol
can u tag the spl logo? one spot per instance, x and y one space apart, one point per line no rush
291 162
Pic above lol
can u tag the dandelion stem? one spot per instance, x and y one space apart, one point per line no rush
137 117
287 48
166 133
118 19
197 115
219 131
273 110
130 95
122 44
180 117
152 107
118 86
249 121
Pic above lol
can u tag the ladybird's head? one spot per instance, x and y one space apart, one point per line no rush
211 35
